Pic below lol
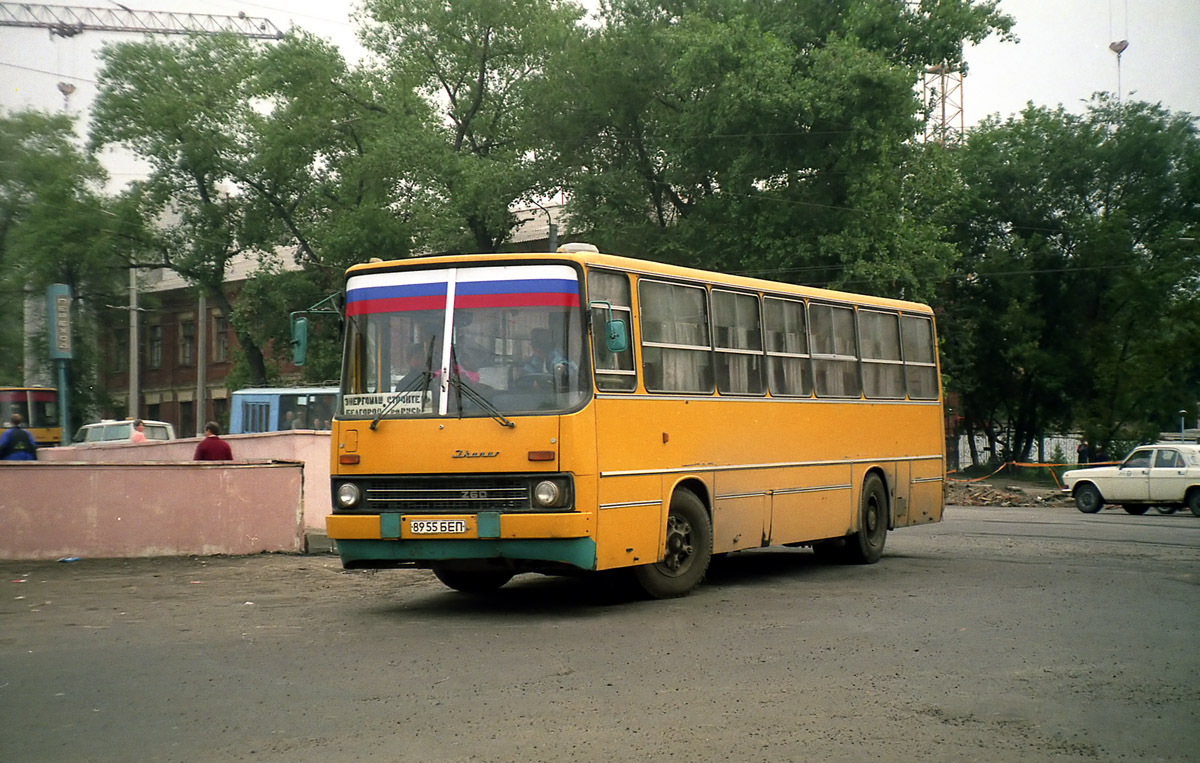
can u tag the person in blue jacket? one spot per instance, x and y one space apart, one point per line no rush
16 444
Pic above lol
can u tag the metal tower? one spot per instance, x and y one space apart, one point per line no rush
942 94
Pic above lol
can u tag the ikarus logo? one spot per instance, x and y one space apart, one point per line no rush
475 454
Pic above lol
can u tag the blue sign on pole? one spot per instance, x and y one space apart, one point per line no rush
58 323
58 320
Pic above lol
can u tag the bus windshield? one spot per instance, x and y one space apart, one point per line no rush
469 341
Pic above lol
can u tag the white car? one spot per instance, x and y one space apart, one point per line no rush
1166 475
115 431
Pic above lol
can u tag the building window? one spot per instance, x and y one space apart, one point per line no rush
122 349
154 346
220 339
187 343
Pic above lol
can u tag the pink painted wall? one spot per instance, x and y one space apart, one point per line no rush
306 446
51 510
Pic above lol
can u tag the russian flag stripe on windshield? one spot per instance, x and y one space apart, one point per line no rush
474 288
395 298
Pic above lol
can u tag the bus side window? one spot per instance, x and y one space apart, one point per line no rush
883 369
920 359
835 357
737 337
614 371
787 348
675 336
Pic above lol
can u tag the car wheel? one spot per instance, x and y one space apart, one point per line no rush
1165 509
1088 498
1135 509
1193 501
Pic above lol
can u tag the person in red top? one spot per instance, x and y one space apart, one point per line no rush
212 447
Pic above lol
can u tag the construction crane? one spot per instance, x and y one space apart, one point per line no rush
68 21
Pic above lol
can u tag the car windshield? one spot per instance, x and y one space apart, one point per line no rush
516 341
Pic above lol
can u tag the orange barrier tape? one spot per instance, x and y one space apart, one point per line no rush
1053 474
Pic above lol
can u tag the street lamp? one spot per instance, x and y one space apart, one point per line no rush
1182 415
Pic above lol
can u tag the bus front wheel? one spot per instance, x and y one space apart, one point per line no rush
472 581
687 552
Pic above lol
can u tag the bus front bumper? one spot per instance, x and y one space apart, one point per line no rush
392 539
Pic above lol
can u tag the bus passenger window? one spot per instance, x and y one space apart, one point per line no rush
675 336
835 358
737 336
787 348
883 369
614 371
920 362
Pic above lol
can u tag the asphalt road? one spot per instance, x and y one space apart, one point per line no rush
1001 634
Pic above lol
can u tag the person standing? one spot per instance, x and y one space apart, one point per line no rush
16 444
139 431
212 447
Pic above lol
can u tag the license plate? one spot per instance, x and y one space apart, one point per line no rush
437 526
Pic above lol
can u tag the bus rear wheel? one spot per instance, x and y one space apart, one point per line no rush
866 545
472 581
687 552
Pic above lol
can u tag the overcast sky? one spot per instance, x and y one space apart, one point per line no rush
1063 55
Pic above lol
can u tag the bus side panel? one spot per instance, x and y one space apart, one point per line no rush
741 517
926 492
812 503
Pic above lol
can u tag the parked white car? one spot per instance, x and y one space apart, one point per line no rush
115 431
1165 475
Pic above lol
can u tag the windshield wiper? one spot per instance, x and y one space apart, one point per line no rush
410 386
465 389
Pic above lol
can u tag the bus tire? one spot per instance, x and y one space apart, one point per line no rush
866 545
687 553
472 581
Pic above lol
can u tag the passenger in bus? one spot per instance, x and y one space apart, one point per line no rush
139 431
415 362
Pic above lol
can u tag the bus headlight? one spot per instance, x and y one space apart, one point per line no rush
546 493
348 495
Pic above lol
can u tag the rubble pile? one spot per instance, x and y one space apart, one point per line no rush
982 494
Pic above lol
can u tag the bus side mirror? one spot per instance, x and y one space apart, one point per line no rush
616 337
299 340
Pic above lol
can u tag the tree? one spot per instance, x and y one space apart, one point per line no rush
1075 304
55 227
771 137
268 151
481 64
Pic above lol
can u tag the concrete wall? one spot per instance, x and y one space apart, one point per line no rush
306 446
52 510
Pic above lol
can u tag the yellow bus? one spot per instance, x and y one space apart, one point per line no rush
551 413
38 407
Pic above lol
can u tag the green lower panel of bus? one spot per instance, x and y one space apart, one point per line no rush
576 552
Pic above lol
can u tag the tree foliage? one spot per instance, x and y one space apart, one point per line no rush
770 137
1075 304
55 227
